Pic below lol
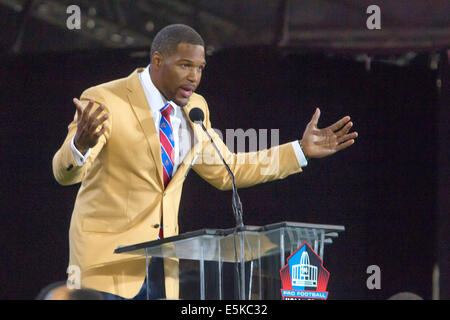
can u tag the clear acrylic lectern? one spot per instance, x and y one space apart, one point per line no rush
242 263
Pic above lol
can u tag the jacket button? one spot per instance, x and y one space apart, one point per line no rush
156 226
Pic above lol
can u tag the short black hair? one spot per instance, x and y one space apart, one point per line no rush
168 38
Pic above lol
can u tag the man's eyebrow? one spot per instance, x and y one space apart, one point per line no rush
190 61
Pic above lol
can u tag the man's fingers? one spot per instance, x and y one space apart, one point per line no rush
339 124
345 145
93 116
87 110
344 130
346 137
97 121
83 113
101 131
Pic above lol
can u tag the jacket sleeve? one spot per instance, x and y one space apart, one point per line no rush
249 168
65 168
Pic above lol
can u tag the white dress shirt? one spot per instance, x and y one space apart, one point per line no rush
183 135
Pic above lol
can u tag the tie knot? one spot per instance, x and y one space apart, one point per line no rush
165 111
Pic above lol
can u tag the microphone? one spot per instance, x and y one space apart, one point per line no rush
197 116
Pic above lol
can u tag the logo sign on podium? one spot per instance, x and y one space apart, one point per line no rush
303 276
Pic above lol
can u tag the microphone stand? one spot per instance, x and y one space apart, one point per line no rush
236 201
237 210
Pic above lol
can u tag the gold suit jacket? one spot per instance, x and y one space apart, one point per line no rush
122 197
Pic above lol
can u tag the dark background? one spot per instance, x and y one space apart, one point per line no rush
388 189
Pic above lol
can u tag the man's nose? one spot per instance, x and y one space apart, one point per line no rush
194 75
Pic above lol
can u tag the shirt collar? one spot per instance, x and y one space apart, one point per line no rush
156 99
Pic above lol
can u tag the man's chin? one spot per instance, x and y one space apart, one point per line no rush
181 101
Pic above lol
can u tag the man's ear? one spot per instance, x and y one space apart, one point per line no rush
157 59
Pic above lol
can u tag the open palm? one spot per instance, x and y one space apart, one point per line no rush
319 143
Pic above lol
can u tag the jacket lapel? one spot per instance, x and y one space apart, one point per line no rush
141 109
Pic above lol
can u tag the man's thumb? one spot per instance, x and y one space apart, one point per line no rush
315 117
78 107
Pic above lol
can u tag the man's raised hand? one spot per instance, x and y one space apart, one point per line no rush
90 126
319 143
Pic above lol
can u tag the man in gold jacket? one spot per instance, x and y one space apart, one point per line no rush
113 148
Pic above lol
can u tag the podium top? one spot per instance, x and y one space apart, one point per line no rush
220 244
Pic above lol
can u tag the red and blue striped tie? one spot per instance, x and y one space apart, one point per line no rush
167 148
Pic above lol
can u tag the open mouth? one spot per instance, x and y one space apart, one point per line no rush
186 91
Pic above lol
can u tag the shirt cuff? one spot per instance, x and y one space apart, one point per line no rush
79 158
299 153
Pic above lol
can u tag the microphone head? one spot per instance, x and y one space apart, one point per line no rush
196 114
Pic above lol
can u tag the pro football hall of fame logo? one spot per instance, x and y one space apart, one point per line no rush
304 277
